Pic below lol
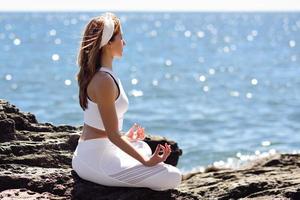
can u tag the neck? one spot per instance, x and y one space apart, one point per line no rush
106 60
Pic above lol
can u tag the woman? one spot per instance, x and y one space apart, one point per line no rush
106 155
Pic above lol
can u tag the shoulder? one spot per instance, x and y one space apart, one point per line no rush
103 77
103 85
102 80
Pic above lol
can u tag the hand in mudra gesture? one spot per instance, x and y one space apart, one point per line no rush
156 158
136 132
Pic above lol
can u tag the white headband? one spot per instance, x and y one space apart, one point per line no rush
108 29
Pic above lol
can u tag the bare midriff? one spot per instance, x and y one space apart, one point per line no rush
89 132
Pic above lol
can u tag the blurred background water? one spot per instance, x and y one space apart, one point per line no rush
225 86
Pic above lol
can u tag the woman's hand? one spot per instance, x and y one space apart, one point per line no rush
156 158
136 132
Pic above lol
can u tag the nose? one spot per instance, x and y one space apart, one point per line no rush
124 43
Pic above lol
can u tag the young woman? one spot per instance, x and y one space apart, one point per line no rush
106 155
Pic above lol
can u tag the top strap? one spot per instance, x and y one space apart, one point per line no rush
111 73
106 69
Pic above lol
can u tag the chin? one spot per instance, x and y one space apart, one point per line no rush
118 56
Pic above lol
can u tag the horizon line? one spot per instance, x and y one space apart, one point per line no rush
154 11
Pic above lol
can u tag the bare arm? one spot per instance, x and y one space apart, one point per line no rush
105 98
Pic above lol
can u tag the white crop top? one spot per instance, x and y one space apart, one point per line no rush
92 116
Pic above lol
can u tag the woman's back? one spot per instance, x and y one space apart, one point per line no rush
92 115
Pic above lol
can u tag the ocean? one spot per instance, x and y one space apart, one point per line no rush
224 86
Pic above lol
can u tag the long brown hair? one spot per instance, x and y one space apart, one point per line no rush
89 55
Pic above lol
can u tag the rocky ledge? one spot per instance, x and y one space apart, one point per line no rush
35 163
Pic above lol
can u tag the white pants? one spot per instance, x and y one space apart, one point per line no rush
100 161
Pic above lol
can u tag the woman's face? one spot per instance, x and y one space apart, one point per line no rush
117 45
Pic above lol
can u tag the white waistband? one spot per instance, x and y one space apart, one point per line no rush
94 143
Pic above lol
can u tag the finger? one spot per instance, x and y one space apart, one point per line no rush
141 135
138 135
168 147
166 155
139 130
130 134
169 151
129 131
161 149
157 149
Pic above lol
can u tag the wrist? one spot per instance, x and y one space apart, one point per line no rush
125 137
144 161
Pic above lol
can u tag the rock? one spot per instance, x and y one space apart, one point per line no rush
24 193
35 163
7 127
256 180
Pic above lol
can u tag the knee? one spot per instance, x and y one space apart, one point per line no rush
172 180
175 180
